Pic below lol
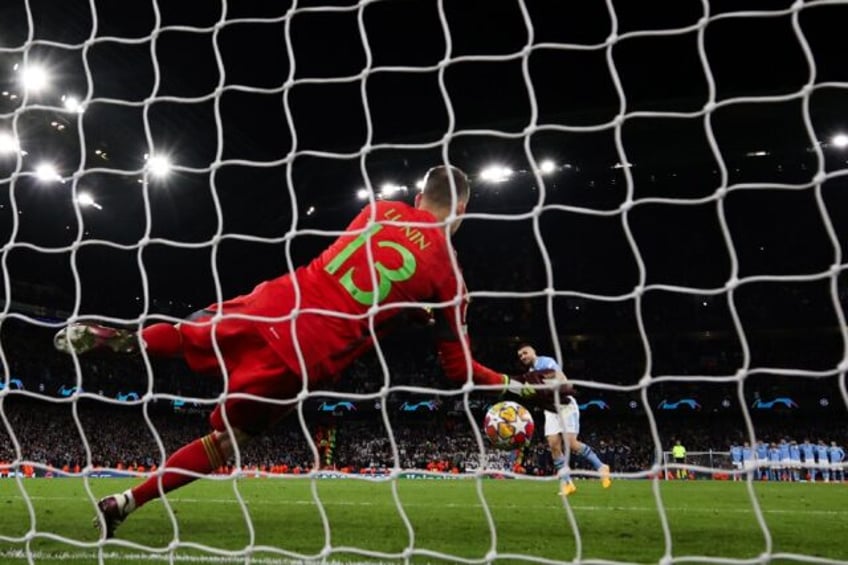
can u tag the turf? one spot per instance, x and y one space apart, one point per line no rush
448 522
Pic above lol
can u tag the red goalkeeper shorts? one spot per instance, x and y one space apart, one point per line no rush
251 368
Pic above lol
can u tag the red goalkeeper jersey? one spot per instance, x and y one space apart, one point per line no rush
328 302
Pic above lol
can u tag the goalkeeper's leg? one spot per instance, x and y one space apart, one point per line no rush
256 371
201 457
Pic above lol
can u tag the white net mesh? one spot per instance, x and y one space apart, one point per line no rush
666 220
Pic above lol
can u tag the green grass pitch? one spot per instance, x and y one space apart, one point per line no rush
705 518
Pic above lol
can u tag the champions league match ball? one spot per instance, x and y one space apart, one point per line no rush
508 425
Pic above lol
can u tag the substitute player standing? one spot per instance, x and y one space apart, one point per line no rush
569 417
302 329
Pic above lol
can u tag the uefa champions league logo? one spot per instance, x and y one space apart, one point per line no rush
783 401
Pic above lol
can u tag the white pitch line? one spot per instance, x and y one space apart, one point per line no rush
38 556
558 504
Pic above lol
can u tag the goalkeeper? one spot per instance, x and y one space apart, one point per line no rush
315 323
564 423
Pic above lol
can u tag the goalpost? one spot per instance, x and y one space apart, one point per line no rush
223 109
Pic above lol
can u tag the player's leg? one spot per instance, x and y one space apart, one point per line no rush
553 433
255 370
200 457
572 430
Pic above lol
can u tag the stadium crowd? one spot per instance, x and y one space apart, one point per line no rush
44 429
49 434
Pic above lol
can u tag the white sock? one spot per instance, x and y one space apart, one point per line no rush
129 501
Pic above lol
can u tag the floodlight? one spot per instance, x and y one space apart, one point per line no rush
8 143
85 199
362 193
840 140
46 172
34 78
420 184
159 166
72 103
389 189
547 167
496 173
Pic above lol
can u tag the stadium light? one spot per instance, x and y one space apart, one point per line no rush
34 78
8 143
389 189
85 199
46 172
840 140
362 193
496 173
159 165
420 184
547 167
310 210
72 103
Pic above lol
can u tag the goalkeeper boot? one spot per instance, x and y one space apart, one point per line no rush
567 488
112 510
606 481
81 337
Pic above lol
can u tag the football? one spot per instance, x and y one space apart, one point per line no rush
508 425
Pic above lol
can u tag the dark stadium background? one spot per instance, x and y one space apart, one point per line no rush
788 324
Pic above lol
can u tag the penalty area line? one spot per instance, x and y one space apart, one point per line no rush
118 557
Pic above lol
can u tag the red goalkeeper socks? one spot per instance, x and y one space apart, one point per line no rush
201 456
162 340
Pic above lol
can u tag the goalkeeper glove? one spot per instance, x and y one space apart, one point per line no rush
525 387
518 388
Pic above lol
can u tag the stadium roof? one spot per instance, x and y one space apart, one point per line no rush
200 87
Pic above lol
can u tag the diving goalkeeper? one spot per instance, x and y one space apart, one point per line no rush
315 322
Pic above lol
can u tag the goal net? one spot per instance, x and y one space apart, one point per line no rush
658 196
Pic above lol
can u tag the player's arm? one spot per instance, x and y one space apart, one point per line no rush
451 334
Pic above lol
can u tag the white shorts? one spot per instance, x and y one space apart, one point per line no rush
570 418
749 465
737 465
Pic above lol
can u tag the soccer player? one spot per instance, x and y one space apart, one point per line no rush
824 464
736 460
774 462
748 459
305 327
836 455
762 459
808 450
785 460
565 424
795 460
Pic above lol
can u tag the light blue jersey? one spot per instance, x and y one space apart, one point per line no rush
543 363
836 454
783 447
736 453
794 453
747 453
809 452
762 451
821 452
